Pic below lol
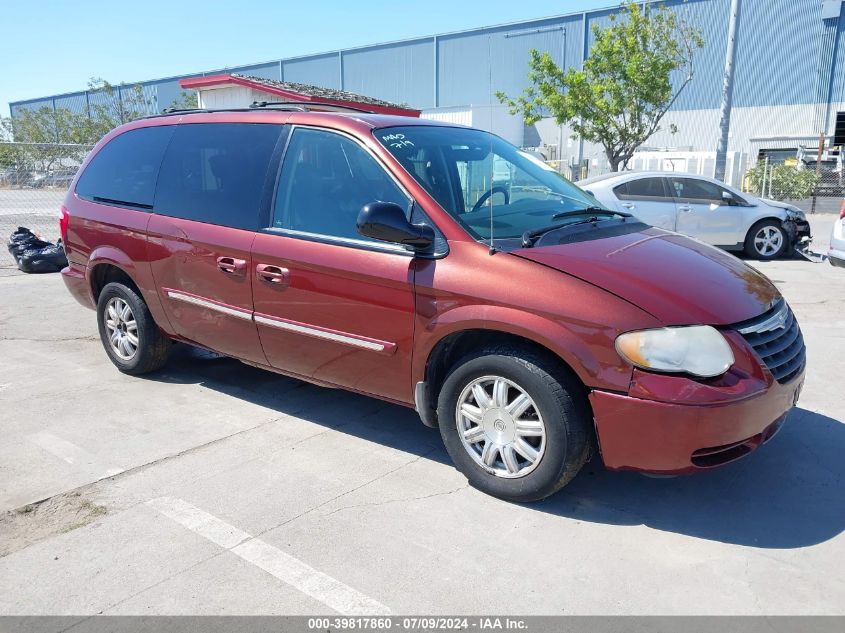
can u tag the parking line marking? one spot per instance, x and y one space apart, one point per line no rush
58 447
206 525
69 452
291 571
331 592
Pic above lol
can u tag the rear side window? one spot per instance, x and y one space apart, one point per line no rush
643 188
124 171
215 173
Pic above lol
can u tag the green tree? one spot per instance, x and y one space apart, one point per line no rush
636 69
111 105
185 101
46 137
8 153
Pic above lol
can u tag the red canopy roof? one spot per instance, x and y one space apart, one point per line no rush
289 91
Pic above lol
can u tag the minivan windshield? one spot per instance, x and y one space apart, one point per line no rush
483 181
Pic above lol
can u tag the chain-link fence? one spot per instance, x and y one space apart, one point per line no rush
34 178
816 190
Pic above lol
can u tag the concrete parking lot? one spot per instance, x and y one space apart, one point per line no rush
215 488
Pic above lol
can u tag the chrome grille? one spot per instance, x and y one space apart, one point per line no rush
777 339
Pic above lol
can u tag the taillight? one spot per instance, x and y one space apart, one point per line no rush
64 218
842 211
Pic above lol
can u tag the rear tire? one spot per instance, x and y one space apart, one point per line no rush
767 240
128 332
501 407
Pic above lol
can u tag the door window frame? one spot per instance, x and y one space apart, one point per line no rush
362 244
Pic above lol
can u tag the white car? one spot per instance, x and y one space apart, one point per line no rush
836 254
705 209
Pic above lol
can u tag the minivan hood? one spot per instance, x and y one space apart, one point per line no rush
677 279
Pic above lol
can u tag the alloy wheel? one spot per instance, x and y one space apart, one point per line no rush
500 427
768 241
122 328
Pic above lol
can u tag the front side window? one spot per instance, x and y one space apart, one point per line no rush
694 190
124 171
326 179
481 180
215 173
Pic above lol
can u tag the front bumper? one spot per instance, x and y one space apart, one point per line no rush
675 438
799 232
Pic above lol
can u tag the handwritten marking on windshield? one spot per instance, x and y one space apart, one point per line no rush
397 141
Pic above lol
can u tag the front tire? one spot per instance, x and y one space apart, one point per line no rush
129 335
767 240
514 423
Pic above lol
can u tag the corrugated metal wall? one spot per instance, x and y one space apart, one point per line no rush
399 73
322 70
778 60
473 67
778 52
838 83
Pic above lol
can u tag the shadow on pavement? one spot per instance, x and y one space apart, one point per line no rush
788 494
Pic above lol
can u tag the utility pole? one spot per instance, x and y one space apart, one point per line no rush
727 95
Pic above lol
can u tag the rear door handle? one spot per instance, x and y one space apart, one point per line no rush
275 275
629 205
231 265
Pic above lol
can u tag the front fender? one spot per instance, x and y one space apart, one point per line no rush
587 349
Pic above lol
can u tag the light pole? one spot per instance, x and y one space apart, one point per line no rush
727 95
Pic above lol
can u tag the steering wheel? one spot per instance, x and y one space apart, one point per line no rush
487 194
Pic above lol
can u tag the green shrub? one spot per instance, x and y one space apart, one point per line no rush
782 182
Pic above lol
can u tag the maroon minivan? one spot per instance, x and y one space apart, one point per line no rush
437 267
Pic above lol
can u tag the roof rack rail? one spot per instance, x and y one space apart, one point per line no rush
181 110
296 106
304 106
178 111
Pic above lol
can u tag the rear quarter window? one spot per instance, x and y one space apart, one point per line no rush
216 173
124 171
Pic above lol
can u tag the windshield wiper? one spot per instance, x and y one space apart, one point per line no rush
585 210
530 237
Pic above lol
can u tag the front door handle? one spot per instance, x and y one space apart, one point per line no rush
231 265
684 209
275 275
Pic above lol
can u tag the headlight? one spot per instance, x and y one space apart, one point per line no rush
699 350
794 213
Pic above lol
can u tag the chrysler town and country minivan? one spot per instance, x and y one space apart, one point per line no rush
396 257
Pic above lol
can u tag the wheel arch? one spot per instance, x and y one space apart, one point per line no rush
105 272
766 219
108 263
449 348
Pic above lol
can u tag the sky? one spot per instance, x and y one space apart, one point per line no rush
56 46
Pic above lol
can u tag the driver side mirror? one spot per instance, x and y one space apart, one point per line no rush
386 221
728 198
